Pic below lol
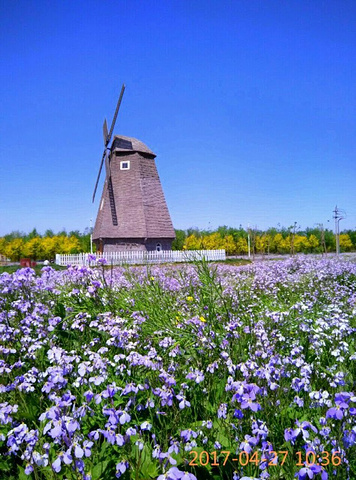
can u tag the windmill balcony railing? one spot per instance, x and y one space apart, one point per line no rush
139 257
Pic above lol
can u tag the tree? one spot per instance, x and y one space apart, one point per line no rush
352 235
193 231
345 242
330 240
241 246
230 245
14 249
261 243
32 234
3 244
49 247
74 233
34 248
49 233
301 243
214 241
223 230
192 243
14 234
278 242
313 242
178 242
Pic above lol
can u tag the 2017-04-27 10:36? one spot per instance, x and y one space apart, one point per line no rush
308 458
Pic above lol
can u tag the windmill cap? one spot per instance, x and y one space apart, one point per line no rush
123 144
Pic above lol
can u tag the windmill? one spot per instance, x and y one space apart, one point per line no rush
133 213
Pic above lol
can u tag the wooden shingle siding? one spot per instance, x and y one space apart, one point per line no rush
141 210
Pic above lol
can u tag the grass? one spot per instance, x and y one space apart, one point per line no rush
37 268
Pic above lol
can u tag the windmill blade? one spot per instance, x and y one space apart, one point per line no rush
115 114
105 132
107 168
97 180
109 185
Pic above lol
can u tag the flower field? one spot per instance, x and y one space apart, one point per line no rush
185 372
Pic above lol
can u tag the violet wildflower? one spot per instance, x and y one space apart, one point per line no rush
188 434
248 402
222 411
121 468
183 402
311 471
196 375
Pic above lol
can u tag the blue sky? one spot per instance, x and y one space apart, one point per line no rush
249 106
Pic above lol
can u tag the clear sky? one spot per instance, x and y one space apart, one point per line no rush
249 106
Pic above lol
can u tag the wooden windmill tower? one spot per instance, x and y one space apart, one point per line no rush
133 213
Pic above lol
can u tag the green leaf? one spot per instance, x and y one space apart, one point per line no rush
149 470
99 469
22 475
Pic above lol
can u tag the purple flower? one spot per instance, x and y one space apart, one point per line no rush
238 414
196 375
188 434
56 465
28 469
309 472
56 431
64 457
71 425
248 444
174 447
121 468
248 402
335 412
222 410
303 429
146 426
87 445
78 451
124 418
175 474
183 402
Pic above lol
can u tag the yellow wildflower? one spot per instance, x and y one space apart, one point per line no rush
202 319
190 299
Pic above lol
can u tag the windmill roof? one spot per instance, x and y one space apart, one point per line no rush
123 144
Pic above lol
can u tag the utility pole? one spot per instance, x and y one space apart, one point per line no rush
338 216
248 241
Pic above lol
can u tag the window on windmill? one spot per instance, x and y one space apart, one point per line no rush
158 247
102 204
125 165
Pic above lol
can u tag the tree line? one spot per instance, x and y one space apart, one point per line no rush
236 241
17 245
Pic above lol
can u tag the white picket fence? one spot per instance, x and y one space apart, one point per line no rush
140 257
